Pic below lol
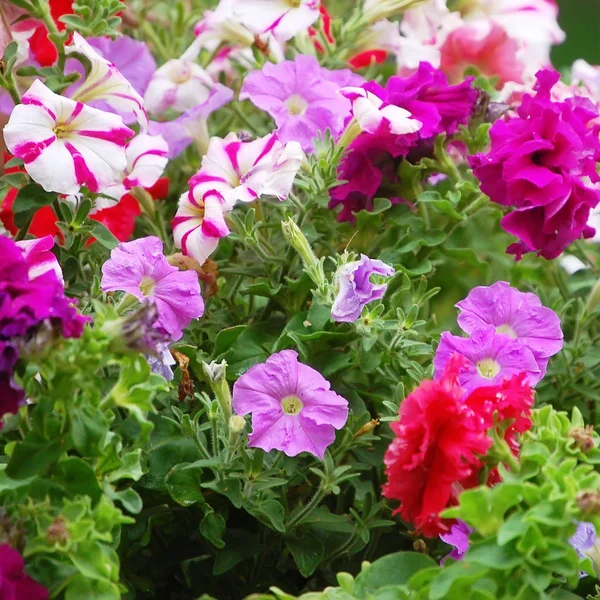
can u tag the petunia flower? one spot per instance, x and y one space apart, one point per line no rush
293 408
179 84
191 126
517 314
491 357
15 583
283 18
66 144
458 536
302 97
231 171
222 26
38 255
355 288
146 161
141 269
105 82
374 114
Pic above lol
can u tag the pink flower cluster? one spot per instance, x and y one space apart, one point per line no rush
542 162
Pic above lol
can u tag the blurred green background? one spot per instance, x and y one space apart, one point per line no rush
580 19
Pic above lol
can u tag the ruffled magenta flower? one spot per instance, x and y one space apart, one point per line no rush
301 96
543 164
66 144
491 357
39 257
15 584
355 288
517 314
374 157
292 407
458 536
141 269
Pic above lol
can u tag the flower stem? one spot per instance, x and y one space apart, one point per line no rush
304 512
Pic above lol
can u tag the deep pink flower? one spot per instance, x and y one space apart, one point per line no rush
458 536
15 584
292 407
141 269
543 163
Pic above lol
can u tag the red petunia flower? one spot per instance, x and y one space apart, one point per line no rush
366 58
326 21
42 49
438 444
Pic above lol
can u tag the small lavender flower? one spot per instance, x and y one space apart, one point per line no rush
517 314
292 407
458 536
586 543
491 358
161 362
141 269
355 288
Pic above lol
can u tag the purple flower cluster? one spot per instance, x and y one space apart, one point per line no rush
543 162
374 157
510 333
31 296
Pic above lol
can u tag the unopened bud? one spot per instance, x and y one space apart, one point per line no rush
367 428
215 371
589 501
298 240
237 424
58 532
216 374
376 10
583 438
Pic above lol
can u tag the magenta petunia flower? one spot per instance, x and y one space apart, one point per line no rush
517 314
543 163
458 536
301 96
141 269
14 582
355 288
491 358
292 407
38 255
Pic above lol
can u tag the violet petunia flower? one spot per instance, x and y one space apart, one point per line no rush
66 144
491 358
231 171
161 362
302 97
141 269
14 581
355 288
293 409
517 314
586 543
458 536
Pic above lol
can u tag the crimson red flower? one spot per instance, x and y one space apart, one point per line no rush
368 57
438 444
42 49
326 22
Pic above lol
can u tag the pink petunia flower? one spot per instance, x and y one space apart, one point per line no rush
293 409
231 171
141 269
105 82
179 84
302 97
146 161
66 144
39 257
491 357
283 18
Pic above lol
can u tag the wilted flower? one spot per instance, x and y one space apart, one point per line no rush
141 269
355 288
65 144
292 407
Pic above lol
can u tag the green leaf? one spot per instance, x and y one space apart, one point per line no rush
230 487
558 594
33 456
273 510
308 551
226 338
441 205
89 427
183 484
212 527
132 502
489 554
96 561
104 235
80 587
76 477
393 569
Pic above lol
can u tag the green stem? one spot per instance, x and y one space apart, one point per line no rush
201 448
147 28
304 512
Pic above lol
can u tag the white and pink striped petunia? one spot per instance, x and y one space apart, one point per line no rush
146 162
231 171
39 257
65 144
179 84
283 18
105 82
370 111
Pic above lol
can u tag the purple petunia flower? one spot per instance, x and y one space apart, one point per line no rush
491 357
587 544
517 314
292 407
302 97
355 288
14 582
458 536
543 163
141 269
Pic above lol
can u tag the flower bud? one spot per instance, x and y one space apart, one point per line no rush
583 438
58 532
237 424
377 10
298 240
589 501
215 371
136 331
216 374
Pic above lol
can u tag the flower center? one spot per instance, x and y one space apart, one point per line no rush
507 329
182 76
294 3
296 105
488 368
147 286
291 405
61 131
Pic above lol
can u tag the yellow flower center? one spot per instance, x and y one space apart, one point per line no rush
507 329
291 405
296 105
294 3
488 368
147 286
61 131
